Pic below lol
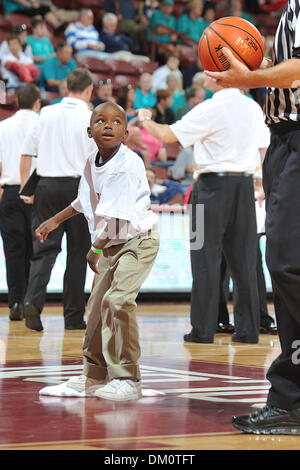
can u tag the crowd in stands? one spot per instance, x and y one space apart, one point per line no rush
42 42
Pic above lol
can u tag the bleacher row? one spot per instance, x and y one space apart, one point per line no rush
121 73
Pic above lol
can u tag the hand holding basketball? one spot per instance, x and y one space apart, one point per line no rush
236 34
234 76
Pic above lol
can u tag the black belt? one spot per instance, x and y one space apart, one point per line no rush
226 173
11 186
283 127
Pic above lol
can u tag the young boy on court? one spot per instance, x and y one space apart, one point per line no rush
115 198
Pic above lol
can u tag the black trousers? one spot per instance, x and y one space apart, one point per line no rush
281 179
265 319
51 196
229 228
15 228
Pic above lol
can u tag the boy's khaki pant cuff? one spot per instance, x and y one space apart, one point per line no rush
129 371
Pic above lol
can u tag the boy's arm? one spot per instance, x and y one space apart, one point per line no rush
51 224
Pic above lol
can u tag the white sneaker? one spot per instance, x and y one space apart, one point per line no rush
120 390
80 386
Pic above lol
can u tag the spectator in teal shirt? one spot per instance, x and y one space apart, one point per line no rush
163 16
41 45
144 98
191 24
57 68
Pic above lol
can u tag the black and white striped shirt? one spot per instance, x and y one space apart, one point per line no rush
284 104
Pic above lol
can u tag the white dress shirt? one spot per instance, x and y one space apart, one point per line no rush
60 140
13 131
226 131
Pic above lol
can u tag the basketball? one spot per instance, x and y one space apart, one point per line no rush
241 37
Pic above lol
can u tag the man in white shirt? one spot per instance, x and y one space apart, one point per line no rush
226 132
15 216
61 144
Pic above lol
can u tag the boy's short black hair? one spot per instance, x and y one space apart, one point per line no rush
27 96
36 21
79 79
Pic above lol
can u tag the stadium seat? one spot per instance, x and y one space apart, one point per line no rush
142 66
122 67
120 81
15 19
4 23
94 65
5 112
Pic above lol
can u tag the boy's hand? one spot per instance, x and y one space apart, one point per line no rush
45 228
92 259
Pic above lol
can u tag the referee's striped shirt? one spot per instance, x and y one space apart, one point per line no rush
284 104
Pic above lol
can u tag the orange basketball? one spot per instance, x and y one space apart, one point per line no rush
238 35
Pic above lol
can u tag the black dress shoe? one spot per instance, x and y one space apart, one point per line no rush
242 339
225 328
194 338
76 326
32 317
268 329
269 420
16 312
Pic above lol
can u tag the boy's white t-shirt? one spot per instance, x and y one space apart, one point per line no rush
118 189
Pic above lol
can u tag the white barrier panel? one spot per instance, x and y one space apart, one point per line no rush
171 272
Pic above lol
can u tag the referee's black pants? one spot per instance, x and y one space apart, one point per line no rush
15 228
281 179
229 228
51 196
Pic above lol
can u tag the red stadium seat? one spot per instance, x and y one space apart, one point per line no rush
120 81
4 23
142 66
94 65
5 113
172 150
122 67
16 19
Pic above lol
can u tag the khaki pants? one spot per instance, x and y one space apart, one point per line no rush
111 346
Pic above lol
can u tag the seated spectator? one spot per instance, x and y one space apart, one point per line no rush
163 111
16 68
159 76
126 97
31 9
175 87
115 43
189 73
129 22
157 152
84 38
162 191
63 91
191 23
164 16
198 81
144 98
104 92
21 32
134 141
147 9
183 168
39 42
57 68
194 96
236 8
209 12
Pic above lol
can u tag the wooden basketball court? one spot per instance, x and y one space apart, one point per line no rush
203 386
